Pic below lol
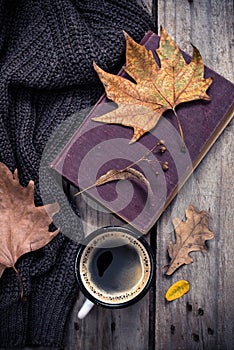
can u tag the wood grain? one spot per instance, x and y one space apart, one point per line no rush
203 319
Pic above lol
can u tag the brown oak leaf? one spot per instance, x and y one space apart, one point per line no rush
190 237
23 227
157 89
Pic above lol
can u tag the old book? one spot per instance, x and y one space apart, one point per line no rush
96 148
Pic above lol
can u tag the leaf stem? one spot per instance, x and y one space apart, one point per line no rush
20 282
85 189
144 156
183 148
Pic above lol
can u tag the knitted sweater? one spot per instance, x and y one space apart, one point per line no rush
46 52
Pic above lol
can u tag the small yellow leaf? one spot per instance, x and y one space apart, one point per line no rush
177 290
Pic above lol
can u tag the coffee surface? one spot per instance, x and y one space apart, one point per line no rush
115 267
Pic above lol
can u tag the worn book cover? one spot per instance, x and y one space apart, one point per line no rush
96 148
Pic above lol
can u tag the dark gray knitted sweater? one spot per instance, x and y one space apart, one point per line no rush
46 52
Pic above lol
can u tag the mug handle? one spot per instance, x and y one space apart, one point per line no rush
85 308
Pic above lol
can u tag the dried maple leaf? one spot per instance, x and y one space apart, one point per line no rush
23 227
190 237
157 89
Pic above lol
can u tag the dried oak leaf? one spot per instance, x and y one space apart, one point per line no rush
157 89
23 227
190 237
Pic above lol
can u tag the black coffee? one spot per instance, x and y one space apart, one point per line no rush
115 267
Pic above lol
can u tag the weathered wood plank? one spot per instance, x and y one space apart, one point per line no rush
105 329
203 319
206 24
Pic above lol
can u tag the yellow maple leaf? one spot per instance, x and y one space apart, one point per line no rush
156 89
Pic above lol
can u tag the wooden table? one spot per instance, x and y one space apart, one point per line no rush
203 318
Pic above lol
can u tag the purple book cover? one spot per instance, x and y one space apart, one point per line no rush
96 148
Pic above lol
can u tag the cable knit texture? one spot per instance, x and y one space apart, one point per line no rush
46 52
